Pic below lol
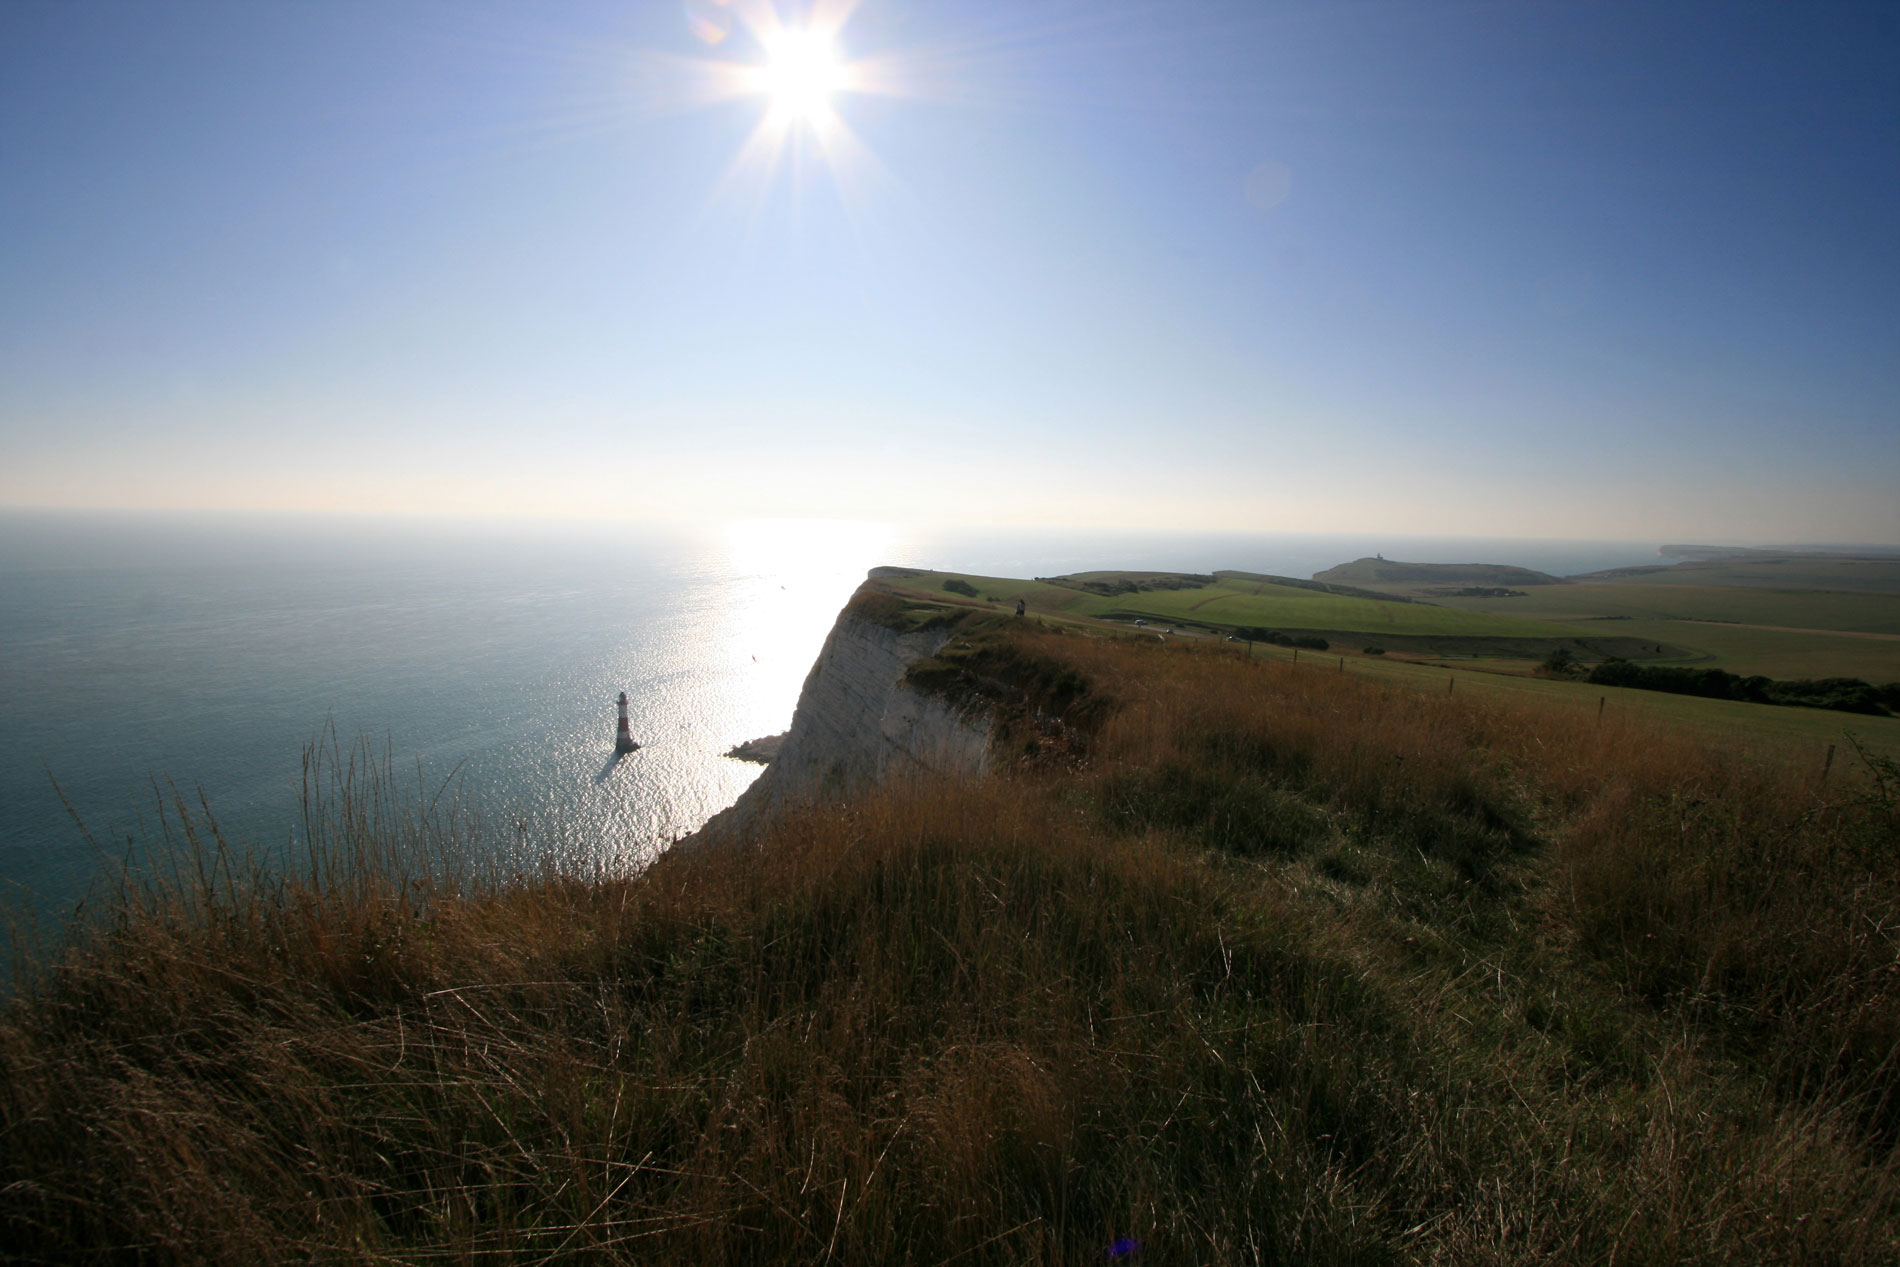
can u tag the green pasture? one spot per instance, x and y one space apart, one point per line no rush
1233 602
1776 653
1810 572
1781 732
1748 605
1794 735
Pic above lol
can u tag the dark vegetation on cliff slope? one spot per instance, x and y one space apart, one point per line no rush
1111 585
1039 707
1292 967
899 614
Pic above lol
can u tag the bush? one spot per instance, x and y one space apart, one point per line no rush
1375 651
1560 664
1254 633
1849 695
964 588
1843 693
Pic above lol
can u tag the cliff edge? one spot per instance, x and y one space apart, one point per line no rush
858 721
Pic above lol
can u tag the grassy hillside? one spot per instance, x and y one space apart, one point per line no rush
1873 574
1780 615
1227 601
1212 603
1742 605
1796 738
1238 960
1393 572
1776 653
1783 633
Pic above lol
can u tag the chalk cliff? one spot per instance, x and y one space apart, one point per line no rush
857 723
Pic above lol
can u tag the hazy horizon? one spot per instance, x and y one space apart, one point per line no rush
33 539
1560 271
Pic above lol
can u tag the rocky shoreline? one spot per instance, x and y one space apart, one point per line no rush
761 750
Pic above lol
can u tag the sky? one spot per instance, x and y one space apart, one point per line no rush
1502 269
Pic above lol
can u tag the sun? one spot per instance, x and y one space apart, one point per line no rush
801 72
798 70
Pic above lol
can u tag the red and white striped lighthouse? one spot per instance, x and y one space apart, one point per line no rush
623 738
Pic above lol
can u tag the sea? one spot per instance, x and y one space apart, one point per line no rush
145 657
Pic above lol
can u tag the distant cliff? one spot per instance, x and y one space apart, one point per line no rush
858 722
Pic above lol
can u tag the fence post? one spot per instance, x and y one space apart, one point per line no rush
1828 764
1601 701
1451 684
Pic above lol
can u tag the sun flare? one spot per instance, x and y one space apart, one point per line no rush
801 73
798 71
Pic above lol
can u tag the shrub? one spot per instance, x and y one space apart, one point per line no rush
1843 693
956 586
1849 695
1560 664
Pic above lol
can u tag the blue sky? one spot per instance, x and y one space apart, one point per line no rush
1534 269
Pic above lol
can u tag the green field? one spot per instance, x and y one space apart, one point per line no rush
1738 604
1776 653
1783 615
1796 735
1782 633
1874 575
1231 602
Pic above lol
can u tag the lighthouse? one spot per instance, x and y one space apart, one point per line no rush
623 738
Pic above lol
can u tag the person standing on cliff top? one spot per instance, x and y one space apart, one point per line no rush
1019 607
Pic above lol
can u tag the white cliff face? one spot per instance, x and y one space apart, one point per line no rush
857 724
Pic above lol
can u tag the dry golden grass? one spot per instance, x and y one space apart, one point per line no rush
1259 964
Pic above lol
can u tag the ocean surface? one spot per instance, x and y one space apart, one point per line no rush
145 653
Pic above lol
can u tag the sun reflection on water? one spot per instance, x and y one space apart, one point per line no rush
790 578
711 659
806 545
494 669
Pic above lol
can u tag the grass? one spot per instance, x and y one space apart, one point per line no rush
1737 604
1774 653
1873 574
1795 735
1797 738
1274 965
1230 602
1785 617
